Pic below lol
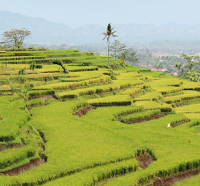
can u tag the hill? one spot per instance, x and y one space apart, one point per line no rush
47 32
94 125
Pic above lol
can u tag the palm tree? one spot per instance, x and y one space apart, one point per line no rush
107 35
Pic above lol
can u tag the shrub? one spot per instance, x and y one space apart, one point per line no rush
38 66
29 85
14 89
21 79
58 61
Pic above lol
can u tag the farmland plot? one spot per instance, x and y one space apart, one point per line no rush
121 137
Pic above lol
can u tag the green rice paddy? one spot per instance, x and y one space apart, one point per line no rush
90 126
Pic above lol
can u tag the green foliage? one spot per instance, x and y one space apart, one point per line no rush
32 66
21 79
14 88
16 36
191 60
58 61
116 48
22 71
38 66
193 76
29 86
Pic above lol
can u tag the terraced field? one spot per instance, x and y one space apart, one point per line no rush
95 126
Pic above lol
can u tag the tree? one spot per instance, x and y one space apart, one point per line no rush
16 37
159 66
132 57
193 76
178 66
117 47
189 72
107 35
124 56
191 61
58 61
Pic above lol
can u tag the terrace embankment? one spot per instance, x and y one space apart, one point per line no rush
167 181
32 164
45 97
83 111
180 123
144 160
9 146
143 120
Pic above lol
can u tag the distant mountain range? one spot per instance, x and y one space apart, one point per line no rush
46 32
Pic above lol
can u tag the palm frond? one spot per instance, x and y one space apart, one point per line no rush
104 33
112 29
105 37
115 35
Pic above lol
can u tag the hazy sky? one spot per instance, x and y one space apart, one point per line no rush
76 13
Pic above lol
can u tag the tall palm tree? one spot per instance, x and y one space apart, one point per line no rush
107 35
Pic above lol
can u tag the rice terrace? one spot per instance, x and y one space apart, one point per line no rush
68 119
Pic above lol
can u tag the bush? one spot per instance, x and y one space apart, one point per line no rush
58 61
29 85
21 79
14 89
38 66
